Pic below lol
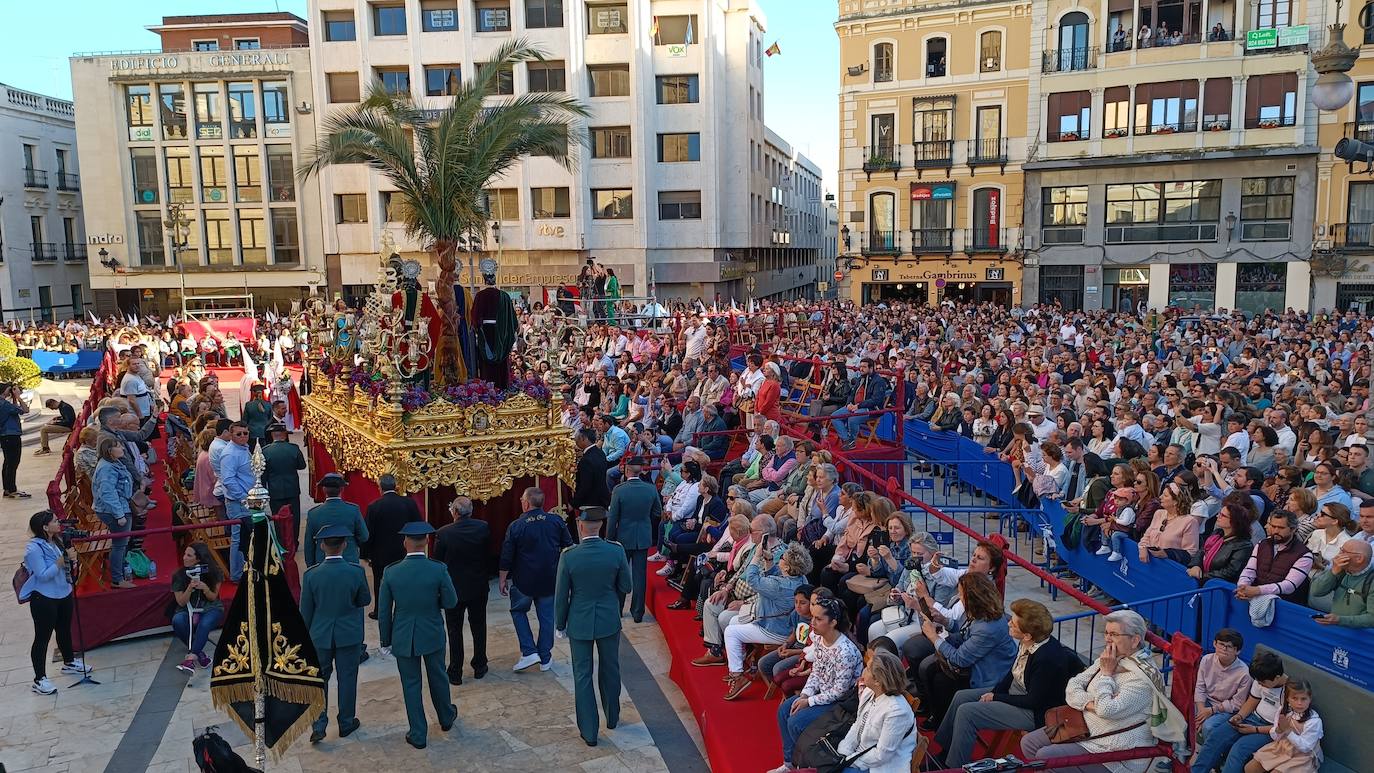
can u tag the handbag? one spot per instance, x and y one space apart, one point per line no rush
1066 724
895 616
21 576
863 586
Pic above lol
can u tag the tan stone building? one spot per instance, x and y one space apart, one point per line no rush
933 132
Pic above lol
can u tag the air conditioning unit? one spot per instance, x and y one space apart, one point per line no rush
858 69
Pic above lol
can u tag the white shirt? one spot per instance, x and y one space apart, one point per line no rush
1043 429
1241 442
1289 440
696 342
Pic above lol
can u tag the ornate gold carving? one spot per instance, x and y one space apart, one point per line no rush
237 661
286 658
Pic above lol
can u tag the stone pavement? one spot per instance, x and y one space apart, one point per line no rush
506 722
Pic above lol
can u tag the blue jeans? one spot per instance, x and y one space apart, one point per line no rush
519 614
207 621
1221 741
118 545
1119 542
790 725
846 427
233 509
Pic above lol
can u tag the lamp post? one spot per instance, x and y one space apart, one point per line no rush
489 264
179 229
1334 88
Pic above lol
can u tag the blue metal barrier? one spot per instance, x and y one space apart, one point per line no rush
82 361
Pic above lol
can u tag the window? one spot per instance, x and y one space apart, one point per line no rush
143 165
1216 104
388 20
1061 284
1192 284
931 123
350 207
502 83
1271 100
990 51
343 87
1166 108
442 81
612 204
252 237
339 26
882 222
611 142
932 218
243 111
543 14
1063 214
609 80
1073 53
395 80
140 102
391 201
935 57
45 302
208 112
214 178
1116 111
503 204
69 236
675 30
205 45
987 219
987 141
439 15
1271 14
286 241
547 76
548 203
280 174
678 90
78 301
179 179
219 237
173 111
607 19
247 44
1184 211
1260 287
1069 116
882 63
1266 208
679 205
673 148
493 15
882 137
247 174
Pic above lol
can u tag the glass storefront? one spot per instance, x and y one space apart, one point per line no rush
1193 285
1125 289
1260 286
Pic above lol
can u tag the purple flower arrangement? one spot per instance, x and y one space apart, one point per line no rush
533 387
472 393
414 398
465 395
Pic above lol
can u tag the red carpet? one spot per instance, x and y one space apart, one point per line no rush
741 736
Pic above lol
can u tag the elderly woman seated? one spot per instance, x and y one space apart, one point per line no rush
1115 694
770 614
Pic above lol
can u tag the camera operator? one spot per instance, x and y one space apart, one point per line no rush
195 587
48 591
12 406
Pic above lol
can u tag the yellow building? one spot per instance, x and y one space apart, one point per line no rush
933 132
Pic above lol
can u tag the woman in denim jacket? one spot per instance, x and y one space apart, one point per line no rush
111 489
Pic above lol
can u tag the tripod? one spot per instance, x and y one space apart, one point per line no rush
80 632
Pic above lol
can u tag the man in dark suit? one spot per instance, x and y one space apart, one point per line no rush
635 509
715 445
334 511
281 475
868 392
462 547
385 517
1034 685
593 578
1083 466
333 596
590 488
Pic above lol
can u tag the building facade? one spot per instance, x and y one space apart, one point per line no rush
933 134
1175 148
213 124
671 187
42 238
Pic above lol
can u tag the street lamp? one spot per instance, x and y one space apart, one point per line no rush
1333 88
179 229
490 265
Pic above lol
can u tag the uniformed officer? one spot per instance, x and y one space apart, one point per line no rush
334 594
593 578
414 590
281 476
635 509
334 511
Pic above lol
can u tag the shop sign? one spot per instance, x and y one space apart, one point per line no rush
140 134
105 238
880 274
1280 37
995 274
677 50
537 280
556 231
932 191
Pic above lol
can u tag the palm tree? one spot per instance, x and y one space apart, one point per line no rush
442 161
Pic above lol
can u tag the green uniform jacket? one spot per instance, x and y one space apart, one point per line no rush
334 594
284 461
1350 596
334 512
257 414
633 514
593 579
418 587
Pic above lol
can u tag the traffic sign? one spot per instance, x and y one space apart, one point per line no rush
839 276
823 286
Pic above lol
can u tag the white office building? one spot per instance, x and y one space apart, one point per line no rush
42 239
679 183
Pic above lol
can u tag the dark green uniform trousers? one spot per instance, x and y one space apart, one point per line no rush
344 661
439 695
607 679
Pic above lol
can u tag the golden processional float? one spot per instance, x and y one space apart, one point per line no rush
375 406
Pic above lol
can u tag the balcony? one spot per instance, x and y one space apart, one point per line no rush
932 241
1178 127
1066 136
933 154
987 151
882 158
74 252
44 251
987 240
68 182
1270 122
1362 131
1352 237
1069 59
1171 40
881 243
35 178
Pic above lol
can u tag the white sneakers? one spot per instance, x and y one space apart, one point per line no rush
1102 551
77 666
44 687
657 558
526 662
667 569
546 665
1115 556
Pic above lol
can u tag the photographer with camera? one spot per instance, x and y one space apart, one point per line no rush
48 559
195 587
12 407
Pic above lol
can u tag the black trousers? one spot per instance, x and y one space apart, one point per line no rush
49 616
12 448
476 612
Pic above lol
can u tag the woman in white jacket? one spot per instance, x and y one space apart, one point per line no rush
883 737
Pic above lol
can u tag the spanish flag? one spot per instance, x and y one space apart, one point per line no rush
773 49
